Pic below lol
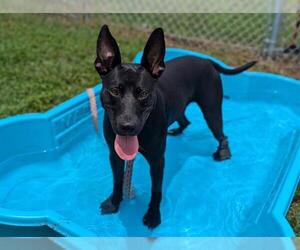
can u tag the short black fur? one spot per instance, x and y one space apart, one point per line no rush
144 99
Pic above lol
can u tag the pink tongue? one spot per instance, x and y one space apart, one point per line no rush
126 147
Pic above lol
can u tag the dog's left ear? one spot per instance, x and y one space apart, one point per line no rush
108 53
154 53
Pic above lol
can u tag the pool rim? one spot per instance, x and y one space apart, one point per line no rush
60 224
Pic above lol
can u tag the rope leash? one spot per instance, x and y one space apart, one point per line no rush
93 107
128 189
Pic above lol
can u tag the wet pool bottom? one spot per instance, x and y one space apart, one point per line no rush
201 197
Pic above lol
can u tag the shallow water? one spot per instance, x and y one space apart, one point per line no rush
201 197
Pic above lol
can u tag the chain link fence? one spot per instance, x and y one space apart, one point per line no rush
267 27
267 34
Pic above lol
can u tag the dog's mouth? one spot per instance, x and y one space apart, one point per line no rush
126 146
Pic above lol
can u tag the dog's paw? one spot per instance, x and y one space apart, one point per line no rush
222 155
107 206
152 218
175 131
223 152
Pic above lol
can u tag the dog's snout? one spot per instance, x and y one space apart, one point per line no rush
127 127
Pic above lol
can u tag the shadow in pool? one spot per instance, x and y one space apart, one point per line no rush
177 156
134 224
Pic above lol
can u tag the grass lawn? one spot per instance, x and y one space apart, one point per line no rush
45 60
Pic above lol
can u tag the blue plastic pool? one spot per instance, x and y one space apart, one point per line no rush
54 168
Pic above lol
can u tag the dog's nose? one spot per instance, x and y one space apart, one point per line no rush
127 127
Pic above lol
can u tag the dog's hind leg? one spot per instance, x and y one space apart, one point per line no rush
183 123
213 118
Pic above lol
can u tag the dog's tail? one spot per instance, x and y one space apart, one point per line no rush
233 71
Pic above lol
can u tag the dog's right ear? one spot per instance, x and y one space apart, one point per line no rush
108 53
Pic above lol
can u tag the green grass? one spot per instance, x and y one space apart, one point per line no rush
294 213
46 60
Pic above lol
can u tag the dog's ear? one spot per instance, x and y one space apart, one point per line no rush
108 53
154 53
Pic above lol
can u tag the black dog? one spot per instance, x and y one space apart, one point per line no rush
141 101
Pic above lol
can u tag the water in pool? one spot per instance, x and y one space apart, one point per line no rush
201 197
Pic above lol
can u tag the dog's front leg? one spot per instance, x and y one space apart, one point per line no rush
112 203
152 217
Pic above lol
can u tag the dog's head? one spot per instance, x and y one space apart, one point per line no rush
128 93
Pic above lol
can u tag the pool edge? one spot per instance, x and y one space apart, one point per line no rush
280 208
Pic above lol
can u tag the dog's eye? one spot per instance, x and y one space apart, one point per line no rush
115 91
142 93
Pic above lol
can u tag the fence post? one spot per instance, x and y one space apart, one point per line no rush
271 42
